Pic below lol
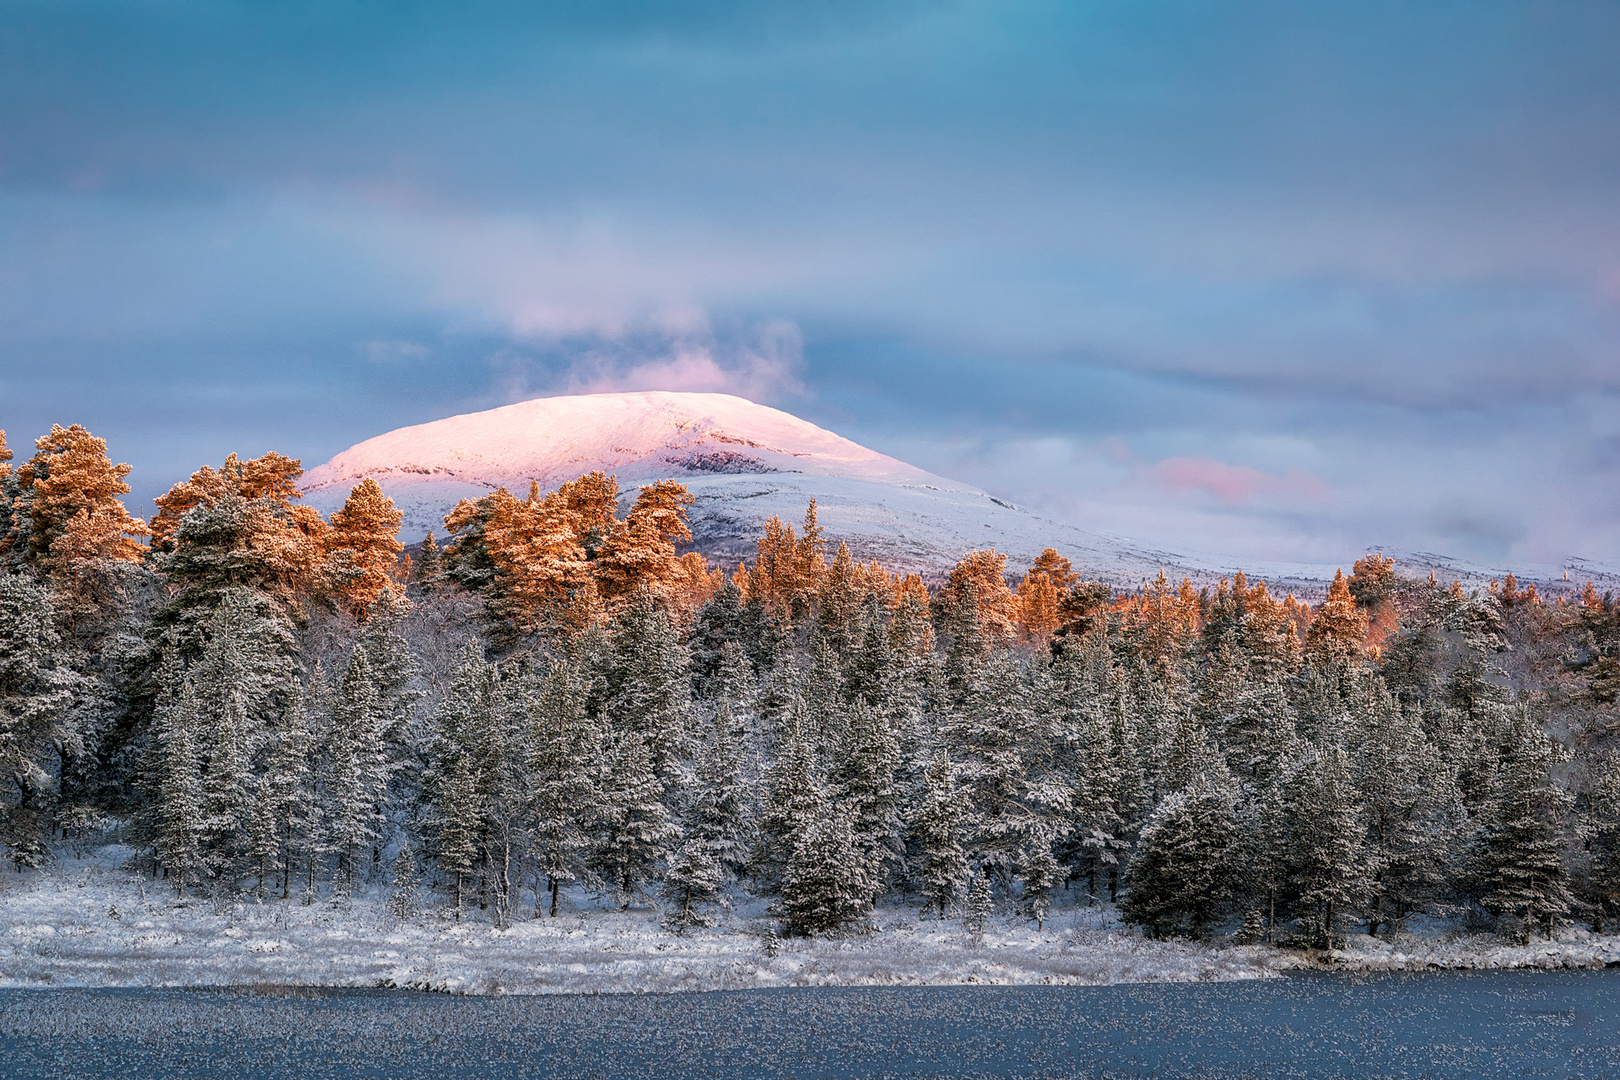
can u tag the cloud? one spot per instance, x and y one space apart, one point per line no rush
761 362
1234 484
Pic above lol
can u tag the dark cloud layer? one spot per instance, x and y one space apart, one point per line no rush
1271 280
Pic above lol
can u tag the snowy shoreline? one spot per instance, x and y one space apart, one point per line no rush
91 923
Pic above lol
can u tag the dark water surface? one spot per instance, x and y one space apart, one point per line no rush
1494 1024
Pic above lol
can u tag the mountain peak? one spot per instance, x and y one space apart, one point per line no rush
743 463
636 436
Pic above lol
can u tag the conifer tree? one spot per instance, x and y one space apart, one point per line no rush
977 910
865 779
458 823
1328 872
719 623
1520 871
719 807
981 576
1181 876
71 479
1042 874
693 878
649 685
635 826
362 547
37 723
1413 811
358 768
179 791
292 800
1338 628
564 797
938 827
1605 824
427 567
838 603
795 796
402 899
826 885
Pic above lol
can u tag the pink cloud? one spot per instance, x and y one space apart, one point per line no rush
1233 483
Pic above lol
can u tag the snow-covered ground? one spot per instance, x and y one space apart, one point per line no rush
89 922
58 928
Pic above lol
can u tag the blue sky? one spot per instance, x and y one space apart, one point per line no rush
1279 281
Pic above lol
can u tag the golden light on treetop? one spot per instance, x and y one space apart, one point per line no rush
273 476
1338 628
363 546
70 475
984 575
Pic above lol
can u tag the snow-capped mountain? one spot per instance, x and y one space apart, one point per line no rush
742 461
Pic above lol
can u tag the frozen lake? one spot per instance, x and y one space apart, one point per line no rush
1442 1025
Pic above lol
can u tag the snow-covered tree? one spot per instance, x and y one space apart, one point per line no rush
976 911
1605 824
1041 875
938 826
635 828
693 879
179 794
1412 808
795 796
719 809
1181 876
37 722
358 766
458 823
362 547
564 799
1329 875
826 885
864 777
1519 869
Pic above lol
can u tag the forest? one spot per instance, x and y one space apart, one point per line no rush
551 700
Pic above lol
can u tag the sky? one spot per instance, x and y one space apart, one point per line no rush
1283 282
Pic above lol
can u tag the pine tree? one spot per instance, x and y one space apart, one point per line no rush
1328 872
795 796
693 878
635 828
1520 872
826 885
1605 824
1413 810
649 685
37 722
864 778
458 823
292 797
1041 875
427 568
69 478
1181 877
564 803
402 899
358 768
179 793
719 797
838 603
362 547
1338 628
978 909
938 827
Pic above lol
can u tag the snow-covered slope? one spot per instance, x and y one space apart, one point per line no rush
744 462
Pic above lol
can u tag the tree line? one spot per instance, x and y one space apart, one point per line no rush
265 700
